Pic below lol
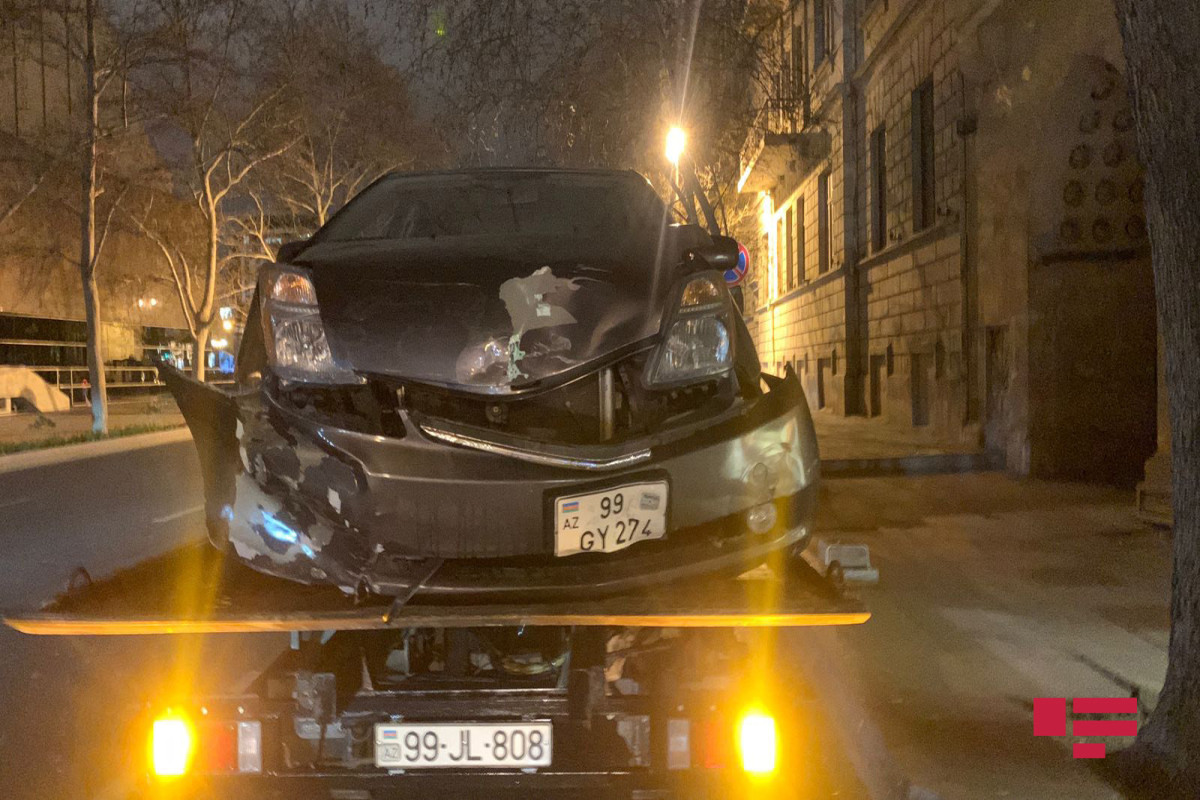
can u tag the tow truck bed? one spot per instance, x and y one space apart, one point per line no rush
638 696
196 590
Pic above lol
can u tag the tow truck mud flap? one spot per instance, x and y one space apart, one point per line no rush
198 590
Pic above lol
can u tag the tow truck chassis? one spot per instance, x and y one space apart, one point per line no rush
643 694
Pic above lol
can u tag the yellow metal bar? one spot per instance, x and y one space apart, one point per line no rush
53 625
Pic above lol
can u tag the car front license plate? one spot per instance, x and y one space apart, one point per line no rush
425 745
608 521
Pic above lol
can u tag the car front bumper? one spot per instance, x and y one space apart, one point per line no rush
397 514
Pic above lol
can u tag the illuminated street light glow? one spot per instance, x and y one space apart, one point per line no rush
676 140
220 344
227 324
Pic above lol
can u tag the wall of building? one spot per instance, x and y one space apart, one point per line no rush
40 93
993 320
1063 261
39 257
804 324
40 85
912 291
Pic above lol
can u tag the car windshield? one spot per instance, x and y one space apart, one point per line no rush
570 205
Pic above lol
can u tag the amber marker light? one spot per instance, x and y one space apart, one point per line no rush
758 743
172 743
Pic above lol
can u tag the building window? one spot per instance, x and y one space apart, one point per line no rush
823 248
789 271
762 272
798 232
923 187
820 31
879 188
780 255
799 79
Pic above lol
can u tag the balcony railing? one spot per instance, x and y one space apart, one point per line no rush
772 144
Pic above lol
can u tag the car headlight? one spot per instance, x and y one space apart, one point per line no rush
295 336
699 335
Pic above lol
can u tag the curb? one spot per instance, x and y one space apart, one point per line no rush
50 456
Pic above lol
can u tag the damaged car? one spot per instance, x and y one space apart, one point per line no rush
498 384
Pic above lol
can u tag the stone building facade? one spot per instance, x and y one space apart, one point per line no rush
41 109
949 233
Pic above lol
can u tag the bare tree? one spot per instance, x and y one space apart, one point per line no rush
590 83
351 117
33 181
102 67
89 246
213 108
1162 48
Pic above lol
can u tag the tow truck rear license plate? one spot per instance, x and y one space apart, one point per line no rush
426 745
608 521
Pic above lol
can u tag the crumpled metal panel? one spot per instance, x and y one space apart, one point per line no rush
314 504
499 317
278 500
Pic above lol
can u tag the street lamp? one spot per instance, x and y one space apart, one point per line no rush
676 139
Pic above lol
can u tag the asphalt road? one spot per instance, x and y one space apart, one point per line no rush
67 702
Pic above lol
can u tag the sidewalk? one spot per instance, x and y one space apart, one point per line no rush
992 592
862 446
865 437
24 428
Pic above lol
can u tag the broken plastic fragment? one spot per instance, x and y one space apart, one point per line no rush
515 354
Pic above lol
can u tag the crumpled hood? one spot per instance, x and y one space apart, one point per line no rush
495 315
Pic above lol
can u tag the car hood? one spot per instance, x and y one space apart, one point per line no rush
494 316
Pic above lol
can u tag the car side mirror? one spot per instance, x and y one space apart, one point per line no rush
289 250
721 255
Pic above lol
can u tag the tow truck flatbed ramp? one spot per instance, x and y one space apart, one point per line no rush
196 590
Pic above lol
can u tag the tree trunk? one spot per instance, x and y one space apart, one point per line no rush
1162 48
87 238
198 364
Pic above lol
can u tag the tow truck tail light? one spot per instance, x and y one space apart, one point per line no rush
679 744
217 747
713 743
230 746
179 746
172 743
757 743
249 747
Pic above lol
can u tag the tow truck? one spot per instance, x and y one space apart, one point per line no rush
674 692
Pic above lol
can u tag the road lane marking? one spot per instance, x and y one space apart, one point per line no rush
177 515
17 502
